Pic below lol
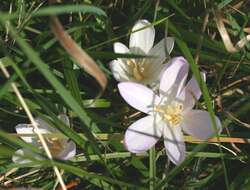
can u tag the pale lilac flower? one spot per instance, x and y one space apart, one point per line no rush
60 148
142 70
169 113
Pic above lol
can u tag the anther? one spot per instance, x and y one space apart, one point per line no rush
171 113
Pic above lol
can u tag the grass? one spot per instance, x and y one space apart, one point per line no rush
51 83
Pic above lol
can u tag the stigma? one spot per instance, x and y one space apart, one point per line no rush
171 113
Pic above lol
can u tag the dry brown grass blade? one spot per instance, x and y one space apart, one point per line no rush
81 57
189 139
225 36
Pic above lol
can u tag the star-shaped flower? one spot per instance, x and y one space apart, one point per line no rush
169 113
143 70
60 148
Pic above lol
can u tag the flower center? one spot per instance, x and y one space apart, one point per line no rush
137 69
54 144
171 113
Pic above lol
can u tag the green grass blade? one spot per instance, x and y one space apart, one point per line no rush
62 9
71 80
152 168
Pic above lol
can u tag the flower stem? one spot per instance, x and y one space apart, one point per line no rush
152 168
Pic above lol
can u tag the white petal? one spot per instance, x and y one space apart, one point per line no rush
26 130
143 134
69 151
119 70
159 53
155 68
64 118
153 74
20 159
174 76
174 144
143 40
21 156
198 123
162 49
138 96
44 125
169 44
120 48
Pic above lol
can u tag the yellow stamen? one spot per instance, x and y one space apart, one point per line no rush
171 113
54 145
137 70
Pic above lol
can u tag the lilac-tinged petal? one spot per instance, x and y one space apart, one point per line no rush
143 134
198 123
138 96
68 152
174 143
174 76
192 92
142 40
119 70
189 101
193 87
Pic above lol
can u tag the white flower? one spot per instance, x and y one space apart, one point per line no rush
60 148
142 70
169 113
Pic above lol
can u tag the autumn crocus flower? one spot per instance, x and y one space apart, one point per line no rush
142 70
60 148
169 113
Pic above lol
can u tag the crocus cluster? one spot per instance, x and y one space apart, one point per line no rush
153 84
170 108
